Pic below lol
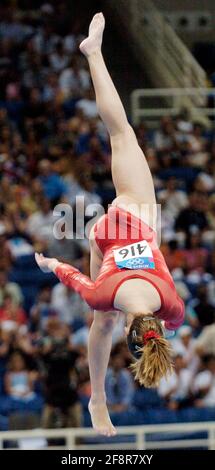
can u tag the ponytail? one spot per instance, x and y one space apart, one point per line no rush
154 352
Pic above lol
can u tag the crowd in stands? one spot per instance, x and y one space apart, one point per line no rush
54 147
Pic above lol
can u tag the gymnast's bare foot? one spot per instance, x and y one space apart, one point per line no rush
100 419
93 42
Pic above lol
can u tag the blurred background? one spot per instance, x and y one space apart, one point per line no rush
53 147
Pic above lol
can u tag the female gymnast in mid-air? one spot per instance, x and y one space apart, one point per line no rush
128 271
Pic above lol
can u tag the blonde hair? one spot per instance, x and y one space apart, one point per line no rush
155 359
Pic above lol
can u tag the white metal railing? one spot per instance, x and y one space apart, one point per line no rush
143 104
161 437
166 59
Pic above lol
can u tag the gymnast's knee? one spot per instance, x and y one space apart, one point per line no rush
124 134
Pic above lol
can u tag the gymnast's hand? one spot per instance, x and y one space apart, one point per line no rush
46 265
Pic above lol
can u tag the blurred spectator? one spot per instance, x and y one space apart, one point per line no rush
176 200
197 155
183 123
46 40
84 385
73 79
52 184
65 250
34 109
59 59
204 384
193 215
68 304
119 385
10 311
11 288
40 223
12 28
80 337
18 380
173 255
87 105
70 40
51 88
62 407
205 343
165 138
176 388
42 310
204 311
24 341
195 256
184 345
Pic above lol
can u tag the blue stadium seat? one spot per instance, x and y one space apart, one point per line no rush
134 416
4 425
147 398
30 278
131 417
5 405
161 416
10 405
197 414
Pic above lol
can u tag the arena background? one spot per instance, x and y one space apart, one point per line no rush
53 147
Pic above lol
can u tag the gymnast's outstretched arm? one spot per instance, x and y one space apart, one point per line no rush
71 277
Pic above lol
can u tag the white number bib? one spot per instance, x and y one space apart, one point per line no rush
135 256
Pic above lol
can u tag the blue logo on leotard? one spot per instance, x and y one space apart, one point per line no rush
136 263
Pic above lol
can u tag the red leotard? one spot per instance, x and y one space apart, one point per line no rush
116 229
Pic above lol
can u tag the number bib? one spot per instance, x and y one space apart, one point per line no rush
135 256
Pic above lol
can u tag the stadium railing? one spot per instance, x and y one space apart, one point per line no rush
151 104
165 436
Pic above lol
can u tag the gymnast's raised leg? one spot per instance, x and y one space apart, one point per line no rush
130 172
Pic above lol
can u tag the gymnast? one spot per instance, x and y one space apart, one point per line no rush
128 271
